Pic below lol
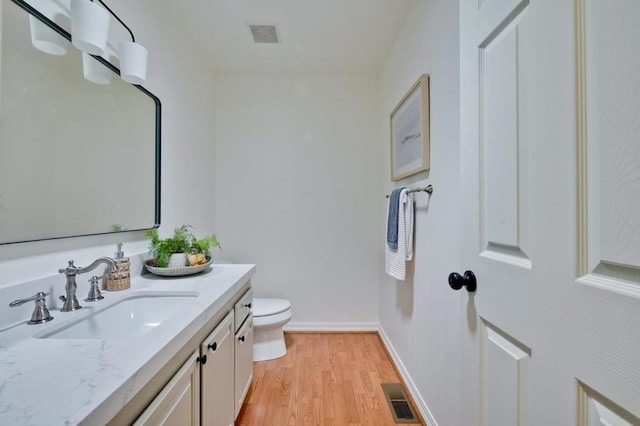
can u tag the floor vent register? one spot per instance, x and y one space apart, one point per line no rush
401 408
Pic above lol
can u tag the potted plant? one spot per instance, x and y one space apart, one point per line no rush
181 249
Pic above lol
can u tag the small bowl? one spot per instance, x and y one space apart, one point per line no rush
178 271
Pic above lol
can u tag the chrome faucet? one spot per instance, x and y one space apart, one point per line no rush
41 313
70 300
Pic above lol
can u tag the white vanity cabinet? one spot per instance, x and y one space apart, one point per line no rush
179 402
211 386
217 376
153 378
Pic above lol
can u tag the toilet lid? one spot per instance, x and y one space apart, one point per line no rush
263 307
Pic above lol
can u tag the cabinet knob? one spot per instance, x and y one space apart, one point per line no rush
247 305
213 346
241 338
202 359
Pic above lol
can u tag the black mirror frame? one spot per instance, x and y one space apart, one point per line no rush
36 13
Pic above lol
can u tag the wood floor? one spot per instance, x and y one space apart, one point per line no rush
325 379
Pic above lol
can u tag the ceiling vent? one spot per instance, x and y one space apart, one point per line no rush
264 33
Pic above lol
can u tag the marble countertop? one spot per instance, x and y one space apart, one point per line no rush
71 381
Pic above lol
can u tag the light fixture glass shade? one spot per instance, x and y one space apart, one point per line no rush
133 62
89 26
94 71
47 40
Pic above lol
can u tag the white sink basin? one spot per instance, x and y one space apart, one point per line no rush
127 318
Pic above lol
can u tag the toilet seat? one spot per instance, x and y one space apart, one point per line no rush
277 320
263 307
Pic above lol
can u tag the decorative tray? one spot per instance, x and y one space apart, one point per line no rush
177 271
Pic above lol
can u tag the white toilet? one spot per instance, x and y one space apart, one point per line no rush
269 315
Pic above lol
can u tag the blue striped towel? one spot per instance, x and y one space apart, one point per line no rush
392 219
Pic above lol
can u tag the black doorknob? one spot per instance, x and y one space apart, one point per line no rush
468 280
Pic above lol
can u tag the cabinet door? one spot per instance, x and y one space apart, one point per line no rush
217 375
244 362
179 402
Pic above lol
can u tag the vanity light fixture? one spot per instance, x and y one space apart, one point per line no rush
133 62
89 26
89 33
43 37
133 56
94 71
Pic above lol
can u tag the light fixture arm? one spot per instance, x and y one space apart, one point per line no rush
119 20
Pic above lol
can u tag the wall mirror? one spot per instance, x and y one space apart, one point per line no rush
76 158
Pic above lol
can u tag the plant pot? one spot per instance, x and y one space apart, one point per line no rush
177 260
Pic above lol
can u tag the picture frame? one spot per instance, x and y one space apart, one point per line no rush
409 124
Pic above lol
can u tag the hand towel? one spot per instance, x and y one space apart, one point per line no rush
392 218
395 260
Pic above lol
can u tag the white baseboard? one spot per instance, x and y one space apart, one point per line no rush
332 326
411 386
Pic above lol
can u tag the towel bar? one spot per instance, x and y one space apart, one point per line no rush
428 189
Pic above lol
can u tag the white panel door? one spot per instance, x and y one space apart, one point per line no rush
550 127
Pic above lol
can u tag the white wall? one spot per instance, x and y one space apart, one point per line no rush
184 83
420 317
298 190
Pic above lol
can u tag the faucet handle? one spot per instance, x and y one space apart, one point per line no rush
39 295
41 313
94 292
71 269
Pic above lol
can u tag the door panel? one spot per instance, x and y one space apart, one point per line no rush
504 367
611 125
503 160
500 111
596 410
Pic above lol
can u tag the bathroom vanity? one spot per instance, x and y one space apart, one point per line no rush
195 365
167 348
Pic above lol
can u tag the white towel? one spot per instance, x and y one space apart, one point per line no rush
395 260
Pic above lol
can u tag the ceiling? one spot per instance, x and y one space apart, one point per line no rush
321 36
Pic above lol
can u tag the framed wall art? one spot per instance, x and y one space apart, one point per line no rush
410 132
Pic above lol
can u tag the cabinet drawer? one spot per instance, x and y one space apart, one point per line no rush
242 309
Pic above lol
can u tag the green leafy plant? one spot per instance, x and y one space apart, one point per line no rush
182 241
203 245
